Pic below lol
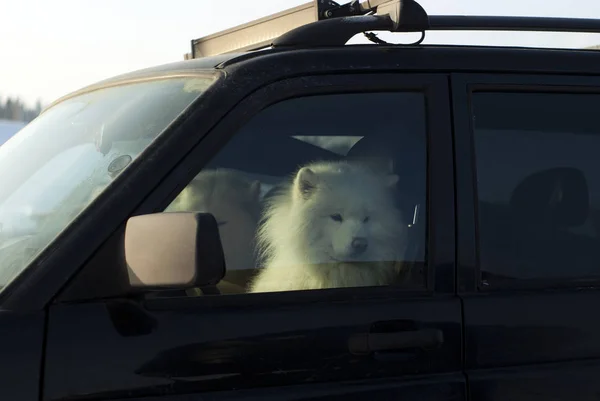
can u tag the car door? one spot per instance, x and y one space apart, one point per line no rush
529 234
286 345
22 339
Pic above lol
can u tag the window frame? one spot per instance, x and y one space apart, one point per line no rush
462 87
440 179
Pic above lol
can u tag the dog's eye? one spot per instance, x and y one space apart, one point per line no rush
336 217
366 219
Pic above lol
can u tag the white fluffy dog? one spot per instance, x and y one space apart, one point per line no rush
335 225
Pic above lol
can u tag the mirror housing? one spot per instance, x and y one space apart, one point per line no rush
173 251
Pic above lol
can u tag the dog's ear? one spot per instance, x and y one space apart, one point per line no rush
305 182
391 180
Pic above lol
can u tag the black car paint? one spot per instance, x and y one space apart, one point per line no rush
500 332
195 348
22 349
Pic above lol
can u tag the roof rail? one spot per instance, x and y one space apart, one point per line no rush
409 16
327 23
387 15
260 33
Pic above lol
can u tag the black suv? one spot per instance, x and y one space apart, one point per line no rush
124 271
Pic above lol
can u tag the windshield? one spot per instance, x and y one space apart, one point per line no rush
55 166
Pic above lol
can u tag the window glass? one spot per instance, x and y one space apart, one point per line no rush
311 195
538 185
59 163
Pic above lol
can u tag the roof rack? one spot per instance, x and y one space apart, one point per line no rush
260 33
327 23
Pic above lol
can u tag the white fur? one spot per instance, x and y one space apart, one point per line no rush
305 245
234 201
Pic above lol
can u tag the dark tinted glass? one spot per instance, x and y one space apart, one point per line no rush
342 224
538 185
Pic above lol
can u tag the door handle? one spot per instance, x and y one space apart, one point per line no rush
364 344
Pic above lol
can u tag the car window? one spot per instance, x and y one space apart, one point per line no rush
309 196
59 163
538 185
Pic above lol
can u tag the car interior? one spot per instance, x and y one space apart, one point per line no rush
293 152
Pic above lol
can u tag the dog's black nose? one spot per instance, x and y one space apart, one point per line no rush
359 244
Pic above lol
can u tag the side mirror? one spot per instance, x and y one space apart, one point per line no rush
173 250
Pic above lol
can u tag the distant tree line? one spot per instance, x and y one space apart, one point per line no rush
15 109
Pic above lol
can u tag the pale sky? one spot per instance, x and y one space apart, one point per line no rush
51 47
